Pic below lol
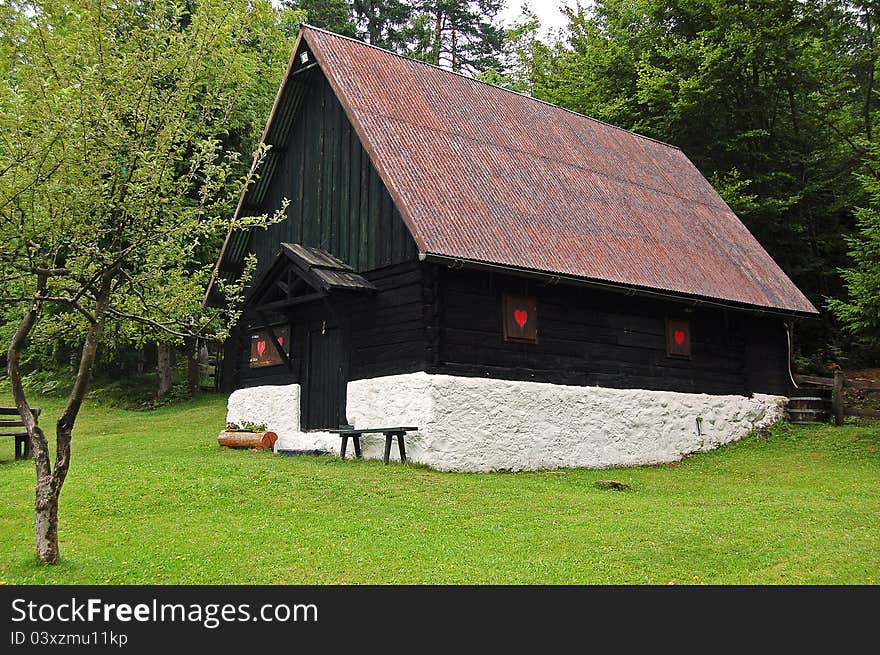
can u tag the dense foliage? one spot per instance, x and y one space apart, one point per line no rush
119 123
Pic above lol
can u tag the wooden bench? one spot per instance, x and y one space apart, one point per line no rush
22 440
390 434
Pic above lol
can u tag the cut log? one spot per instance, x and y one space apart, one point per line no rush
239 439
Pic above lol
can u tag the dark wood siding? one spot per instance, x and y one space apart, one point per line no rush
589 337
388 329
426 317
337 200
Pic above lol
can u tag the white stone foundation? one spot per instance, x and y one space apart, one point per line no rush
478 424
279 408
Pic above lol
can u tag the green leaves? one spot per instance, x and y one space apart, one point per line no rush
122 130
859 312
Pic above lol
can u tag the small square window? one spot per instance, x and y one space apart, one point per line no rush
678 337
520 318
264 352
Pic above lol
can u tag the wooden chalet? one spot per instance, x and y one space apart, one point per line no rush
449 241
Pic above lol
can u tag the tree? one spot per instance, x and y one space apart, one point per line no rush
461 35
382 23
113 180
333 15
521 53
859 312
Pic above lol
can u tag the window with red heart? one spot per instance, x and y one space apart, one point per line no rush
678 337
264 352
520 318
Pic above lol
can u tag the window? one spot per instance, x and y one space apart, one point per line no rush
678 337
520 318
264 352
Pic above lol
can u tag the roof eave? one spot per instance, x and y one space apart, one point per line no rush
631 290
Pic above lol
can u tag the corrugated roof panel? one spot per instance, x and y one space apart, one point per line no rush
481 173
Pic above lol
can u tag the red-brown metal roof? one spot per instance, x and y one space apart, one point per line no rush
486 175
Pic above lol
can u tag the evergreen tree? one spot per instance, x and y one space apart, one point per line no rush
461 35
333 15
859 312
382 23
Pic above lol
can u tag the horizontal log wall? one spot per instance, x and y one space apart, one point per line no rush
387 329
589 337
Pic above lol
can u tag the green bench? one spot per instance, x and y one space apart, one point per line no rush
22 440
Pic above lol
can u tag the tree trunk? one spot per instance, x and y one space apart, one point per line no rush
193 366
163 368
46 526
49 481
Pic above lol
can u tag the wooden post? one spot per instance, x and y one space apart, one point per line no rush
401 447
388 439
837 396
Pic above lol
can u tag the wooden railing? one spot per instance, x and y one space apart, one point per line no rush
837 384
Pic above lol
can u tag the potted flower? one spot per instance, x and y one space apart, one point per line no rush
247 434
248 426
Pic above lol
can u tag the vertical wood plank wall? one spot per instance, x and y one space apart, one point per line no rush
337 200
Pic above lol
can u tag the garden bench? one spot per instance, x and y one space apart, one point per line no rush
22 440
390 434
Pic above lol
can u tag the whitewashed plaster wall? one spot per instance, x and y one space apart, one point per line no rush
479 424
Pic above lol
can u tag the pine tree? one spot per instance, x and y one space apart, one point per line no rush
461 35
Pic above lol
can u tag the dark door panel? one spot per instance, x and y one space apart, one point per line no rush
323 401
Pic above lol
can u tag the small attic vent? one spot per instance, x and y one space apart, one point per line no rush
304 57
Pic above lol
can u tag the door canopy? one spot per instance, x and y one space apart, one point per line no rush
299 274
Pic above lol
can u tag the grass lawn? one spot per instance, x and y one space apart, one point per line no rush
151 498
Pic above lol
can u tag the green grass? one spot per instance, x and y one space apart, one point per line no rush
151 498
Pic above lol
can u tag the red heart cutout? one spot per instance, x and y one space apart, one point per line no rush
280 341
679 336
521 316
261 348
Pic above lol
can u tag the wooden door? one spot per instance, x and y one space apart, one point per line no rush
323 399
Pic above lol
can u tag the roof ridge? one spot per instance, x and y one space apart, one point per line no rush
489 84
